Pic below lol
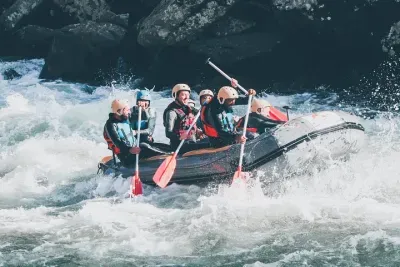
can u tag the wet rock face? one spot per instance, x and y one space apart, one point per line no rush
290 43
11 74
84 10
34 40
80 51
12 16
177 22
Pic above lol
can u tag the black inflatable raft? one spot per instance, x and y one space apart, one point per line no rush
288 147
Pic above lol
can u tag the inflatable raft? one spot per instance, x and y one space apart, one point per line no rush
289 148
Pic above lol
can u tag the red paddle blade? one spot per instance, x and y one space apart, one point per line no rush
277 115
137 188
164 173
240 177
105 159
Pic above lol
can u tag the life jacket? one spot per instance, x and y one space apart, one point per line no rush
125 134
184 120
110 143
144 123
250 128
209 128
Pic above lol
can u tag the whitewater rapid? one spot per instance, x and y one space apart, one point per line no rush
56 211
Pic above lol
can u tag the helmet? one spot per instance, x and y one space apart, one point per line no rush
226 92
258 104
118 105
143 95
206 92
180 87
191 103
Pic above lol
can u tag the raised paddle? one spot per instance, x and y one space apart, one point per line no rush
239 176
136 187
274 113
164 173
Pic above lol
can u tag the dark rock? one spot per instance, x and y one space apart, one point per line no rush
11 18
11 74
91 10
84 10
34 41
231 49
137 10
4 4
177 22
151 4
230 25
43 13
79 52
110 17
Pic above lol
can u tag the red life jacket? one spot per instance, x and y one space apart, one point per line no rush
184 120
110 143
208 129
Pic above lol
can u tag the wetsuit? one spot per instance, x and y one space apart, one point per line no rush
218 122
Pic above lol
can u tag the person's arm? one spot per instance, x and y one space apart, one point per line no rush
151 123
171 118
111 130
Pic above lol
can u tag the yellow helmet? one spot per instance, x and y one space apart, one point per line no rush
226 92
259 105
206 92
180 87
118 105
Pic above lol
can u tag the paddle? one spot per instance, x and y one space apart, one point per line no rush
136 187
105 159
164 173
239 176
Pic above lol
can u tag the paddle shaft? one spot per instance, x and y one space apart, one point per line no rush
225 75
246 120
138 139
187 131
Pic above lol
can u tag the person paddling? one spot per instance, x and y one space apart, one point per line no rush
178 116
259 118
148 120
218 120
118 135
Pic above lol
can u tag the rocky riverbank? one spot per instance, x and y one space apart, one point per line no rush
283 44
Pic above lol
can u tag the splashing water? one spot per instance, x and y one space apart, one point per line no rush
55 210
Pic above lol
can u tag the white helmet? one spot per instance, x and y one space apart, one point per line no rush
226 92
180 87
118 105
260 106
206 92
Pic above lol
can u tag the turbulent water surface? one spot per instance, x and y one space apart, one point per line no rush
56 211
